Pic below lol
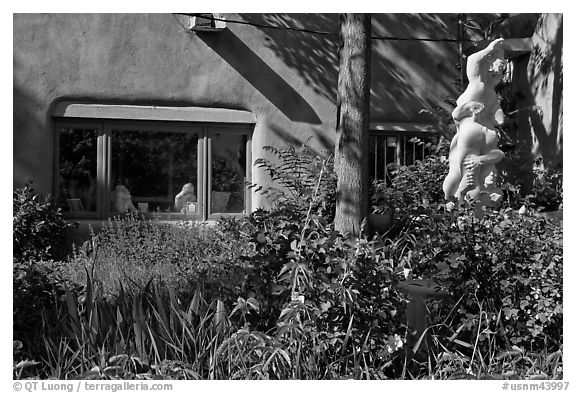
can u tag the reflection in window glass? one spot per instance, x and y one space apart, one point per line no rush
156 171
77 169
401 150
228 173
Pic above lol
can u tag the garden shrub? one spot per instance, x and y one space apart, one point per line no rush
37 292
547 192
328 292
285 289
318 289
413 187
130 253
39 243
504 262
39 228
281 295
302 181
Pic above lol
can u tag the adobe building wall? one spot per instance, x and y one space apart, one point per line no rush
287 79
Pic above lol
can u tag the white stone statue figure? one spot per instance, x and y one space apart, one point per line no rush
473 150
122 200
187 194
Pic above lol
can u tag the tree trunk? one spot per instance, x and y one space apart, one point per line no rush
352 134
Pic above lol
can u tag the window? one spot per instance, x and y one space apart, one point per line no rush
192 170
397 143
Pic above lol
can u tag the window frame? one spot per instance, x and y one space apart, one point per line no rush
234 130
75 124
104 128
403 132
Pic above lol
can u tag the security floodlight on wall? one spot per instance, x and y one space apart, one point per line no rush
207 22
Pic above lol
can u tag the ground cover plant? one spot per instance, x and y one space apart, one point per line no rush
502 268
281 295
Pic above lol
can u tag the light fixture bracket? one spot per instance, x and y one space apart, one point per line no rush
207 22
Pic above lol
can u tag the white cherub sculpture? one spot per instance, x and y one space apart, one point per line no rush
474 149
122 200
187 194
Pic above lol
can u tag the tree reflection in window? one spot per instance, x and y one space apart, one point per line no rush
228 173
77 169
154 166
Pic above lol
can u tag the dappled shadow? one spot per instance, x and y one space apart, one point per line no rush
26 126
548 61
316 139
406 75
539 80
410 75
259 74
314 57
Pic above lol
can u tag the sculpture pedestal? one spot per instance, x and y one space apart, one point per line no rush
416 312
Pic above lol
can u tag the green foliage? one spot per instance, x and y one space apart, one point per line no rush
224 176
414 188
281 295
39 233
503 270
129 253
148 334
39 228
337 277
547 192
302 181
502 263
36 293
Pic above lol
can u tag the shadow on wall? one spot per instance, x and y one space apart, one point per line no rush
259 74
546 65
316 139
539 81
26 145
314 57
406 76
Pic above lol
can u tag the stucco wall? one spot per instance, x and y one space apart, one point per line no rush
287 79
545 87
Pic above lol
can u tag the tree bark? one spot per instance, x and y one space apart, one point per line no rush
352 134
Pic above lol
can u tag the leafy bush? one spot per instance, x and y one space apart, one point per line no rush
504 263
129 253
36 294
503 270
304 308
39 226
302 296
302 181
39 236
281 295
414 188
547 193
336 276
